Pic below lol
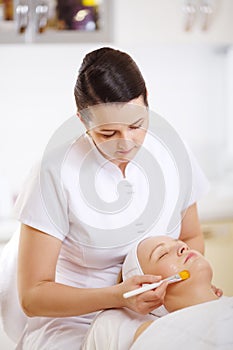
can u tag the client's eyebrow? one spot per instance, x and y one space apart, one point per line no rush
159 245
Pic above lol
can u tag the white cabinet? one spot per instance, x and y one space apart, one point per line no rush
39 21
163 21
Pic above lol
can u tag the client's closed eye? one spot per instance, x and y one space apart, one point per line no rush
161 256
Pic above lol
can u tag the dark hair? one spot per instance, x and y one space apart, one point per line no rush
108 75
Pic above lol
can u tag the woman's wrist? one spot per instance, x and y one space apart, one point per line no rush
117 294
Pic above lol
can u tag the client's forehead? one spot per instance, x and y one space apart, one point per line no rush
149 243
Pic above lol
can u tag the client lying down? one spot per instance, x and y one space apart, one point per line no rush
194 316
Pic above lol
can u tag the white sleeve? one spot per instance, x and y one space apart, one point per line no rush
200 184
43 208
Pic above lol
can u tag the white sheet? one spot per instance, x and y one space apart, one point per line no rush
114 330
207 326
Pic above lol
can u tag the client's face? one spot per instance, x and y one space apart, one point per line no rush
166 256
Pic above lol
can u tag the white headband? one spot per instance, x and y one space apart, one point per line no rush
131 266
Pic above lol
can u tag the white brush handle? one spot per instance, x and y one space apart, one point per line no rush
143 289
150 286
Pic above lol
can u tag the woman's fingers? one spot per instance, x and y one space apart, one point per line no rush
144 279
137 282
156 294
146 301
153 299
217 291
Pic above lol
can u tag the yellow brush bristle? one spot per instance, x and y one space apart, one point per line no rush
184 274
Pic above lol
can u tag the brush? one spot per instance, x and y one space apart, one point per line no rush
181 276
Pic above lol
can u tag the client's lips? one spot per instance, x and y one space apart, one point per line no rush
189 256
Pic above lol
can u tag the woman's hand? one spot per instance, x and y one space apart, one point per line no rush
217 291
147 301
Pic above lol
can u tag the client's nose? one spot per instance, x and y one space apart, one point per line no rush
182 248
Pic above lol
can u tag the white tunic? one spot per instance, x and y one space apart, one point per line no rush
83 200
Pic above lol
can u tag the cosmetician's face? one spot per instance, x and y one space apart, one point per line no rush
166 256
118 129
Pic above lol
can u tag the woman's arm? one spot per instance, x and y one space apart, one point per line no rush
191 229
40 295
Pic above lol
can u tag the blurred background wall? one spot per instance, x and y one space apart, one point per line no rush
188 71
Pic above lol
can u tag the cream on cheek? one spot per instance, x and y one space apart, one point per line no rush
165 266
172 269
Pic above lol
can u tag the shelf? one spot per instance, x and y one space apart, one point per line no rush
9 35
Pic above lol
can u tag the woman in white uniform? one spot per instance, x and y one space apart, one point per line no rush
92 197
